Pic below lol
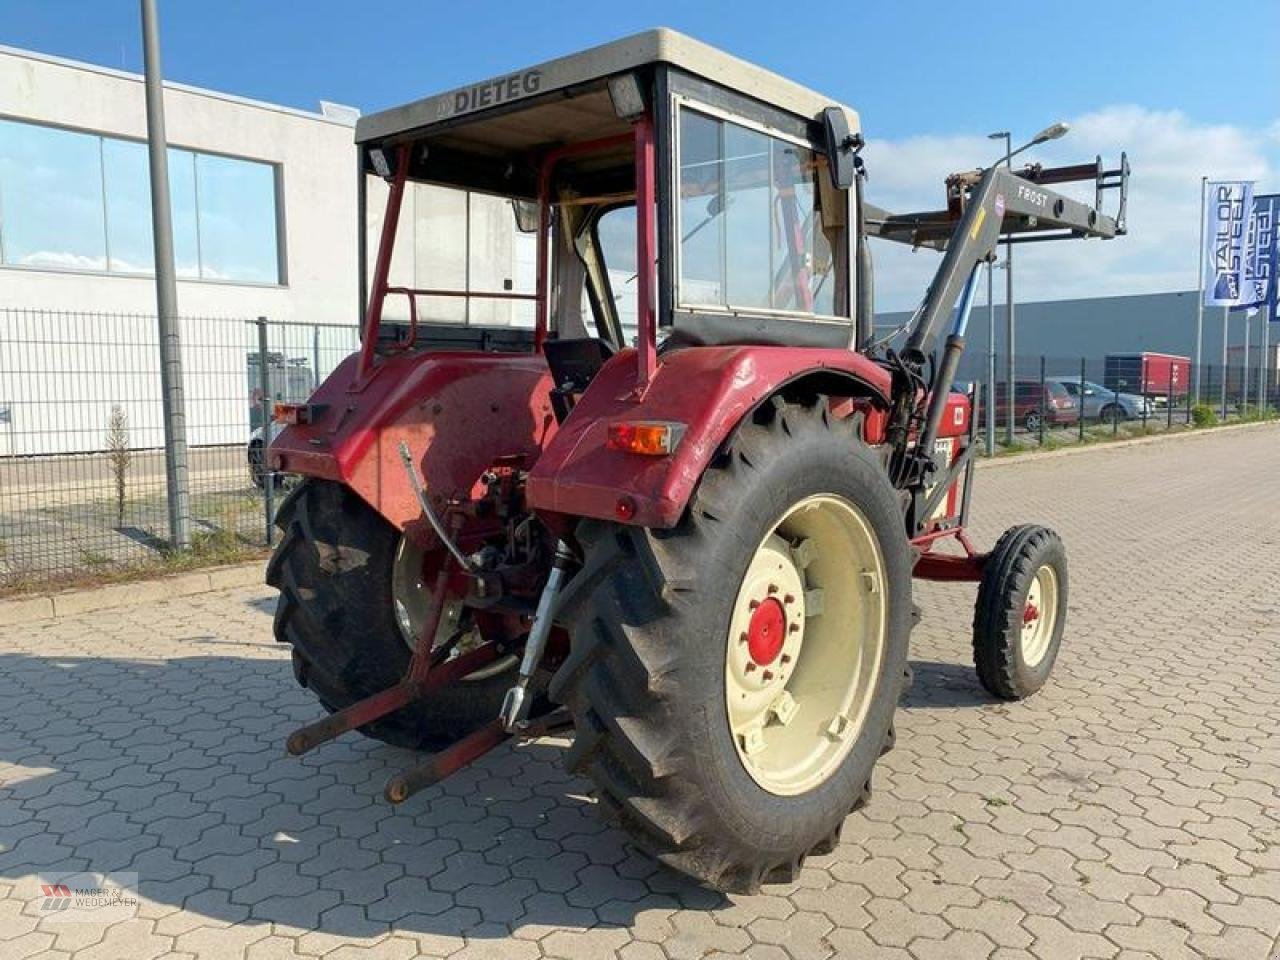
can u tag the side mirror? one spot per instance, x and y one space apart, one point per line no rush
527 215
842 147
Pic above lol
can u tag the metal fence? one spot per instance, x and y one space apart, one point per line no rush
1058 400
82 470
82 467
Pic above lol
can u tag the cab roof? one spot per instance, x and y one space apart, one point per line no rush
544 116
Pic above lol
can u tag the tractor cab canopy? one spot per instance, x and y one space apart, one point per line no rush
652 150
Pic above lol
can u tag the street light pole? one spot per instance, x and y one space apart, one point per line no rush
991 360
1051 132
1010 364
175 422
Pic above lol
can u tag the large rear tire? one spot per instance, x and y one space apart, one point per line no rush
334 569
664 622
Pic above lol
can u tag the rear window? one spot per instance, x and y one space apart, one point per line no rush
1058 390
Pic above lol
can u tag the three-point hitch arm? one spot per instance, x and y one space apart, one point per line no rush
983 205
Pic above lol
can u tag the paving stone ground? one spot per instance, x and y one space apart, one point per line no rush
1128 811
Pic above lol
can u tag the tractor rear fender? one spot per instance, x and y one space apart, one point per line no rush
708 392
459 412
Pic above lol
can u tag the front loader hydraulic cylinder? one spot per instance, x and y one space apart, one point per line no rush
947 366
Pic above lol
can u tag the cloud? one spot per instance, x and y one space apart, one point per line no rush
63 260
1168 154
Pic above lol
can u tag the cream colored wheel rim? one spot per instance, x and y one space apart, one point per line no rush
805 645
1039 616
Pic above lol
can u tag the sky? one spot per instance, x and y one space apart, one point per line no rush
1188 89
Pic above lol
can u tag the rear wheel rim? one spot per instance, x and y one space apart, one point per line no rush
805 646
1039 616
412 602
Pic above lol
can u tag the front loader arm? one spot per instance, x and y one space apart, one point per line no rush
989 204
982 206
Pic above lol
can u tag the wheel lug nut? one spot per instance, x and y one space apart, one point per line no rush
773 588
788 599
743 638
786 658
750 666
753 604
767 676
794 628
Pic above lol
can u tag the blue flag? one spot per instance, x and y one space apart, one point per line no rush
1260 259
1228 211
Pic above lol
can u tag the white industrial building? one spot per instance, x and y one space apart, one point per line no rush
265 224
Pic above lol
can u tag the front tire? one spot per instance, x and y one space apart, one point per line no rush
1021 612
657 662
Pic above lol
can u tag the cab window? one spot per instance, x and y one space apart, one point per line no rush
751 231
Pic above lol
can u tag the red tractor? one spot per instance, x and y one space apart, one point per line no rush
682 509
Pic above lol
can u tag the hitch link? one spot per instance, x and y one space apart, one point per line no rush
515 705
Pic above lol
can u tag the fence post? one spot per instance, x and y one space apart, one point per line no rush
1168 402
1224 379
1115 408
315 357
264 385
1044 412
1189 398
1080 428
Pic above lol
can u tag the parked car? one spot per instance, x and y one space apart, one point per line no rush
1099 403
1029 400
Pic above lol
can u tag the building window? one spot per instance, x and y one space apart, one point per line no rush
81 201
751 227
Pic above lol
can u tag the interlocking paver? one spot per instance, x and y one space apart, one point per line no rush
1131 810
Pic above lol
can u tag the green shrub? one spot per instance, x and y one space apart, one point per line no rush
1203 415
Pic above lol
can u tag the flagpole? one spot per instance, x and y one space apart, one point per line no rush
1199 297
1225 313
1265 365
1244 379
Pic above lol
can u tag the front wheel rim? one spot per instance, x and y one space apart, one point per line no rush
1039 616
806 644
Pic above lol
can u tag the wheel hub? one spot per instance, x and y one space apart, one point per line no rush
768 627
1039 616
766 632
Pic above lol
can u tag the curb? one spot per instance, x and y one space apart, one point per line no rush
68 603
1079 449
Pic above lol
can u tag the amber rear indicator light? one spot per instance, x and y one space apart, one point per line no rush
647 437
294 414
